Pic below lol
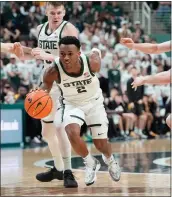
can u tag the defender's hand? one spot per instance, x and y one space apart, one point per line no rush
138 81
128 42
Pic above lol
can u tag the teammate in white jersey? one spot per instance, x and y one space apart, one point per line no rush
82 100
49 35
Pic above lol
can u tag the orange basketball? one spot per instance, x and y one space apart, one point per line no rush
38 104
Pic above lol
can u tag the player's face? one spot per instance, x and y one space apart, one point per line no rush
55 14
69 55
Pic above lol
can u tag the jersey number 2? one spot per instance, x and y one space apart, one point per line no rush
81 89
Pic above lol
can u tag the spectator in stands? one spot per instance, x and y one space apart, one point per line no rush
3 76
35 74
129 117
114 74
13 71
124 31
116 9
7 94
136 103
137 27
22 92
11 33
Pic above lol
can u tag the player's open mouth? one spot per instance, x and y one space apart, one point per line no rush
67 62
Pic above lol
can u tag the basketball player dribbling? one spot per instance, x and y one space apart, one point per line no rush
49 35
82 101
157 79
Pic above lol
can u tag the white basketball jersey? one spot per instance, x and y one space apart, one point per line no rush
49 43
80 88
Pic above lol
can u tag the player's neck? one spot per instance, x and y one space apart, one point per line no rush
52 27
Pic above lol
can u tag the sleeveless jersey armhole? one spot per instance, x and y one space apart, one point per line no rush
40 29
89 66
60 35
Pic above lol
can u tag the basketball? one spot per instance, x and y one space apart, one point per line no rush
38 104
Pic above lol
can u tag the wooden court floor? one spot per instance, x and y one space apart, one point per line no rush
145 165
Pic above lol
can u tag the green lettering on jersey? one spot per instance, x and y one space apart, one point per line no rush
78 83
45 44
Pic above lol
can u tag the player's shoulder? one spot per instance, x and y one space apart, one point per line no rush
40 26
70 30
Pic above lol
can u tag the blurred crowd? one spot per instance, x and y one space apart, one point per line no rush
135 114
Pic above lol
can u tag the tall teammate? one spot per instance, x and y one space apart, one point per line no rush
160 78
82 101
49 35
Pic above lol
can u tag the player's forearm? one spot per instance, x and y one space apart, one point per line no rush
5 47
160 78
46 87
27 53
145 47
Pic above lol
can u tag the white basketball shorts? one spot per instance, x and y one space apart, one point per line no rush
92 113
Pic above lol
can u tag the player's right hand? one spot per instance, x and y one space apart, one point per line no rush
138 81
128 42
36 89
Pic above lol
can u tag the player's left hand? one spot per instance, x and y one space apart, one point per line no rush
138 81
39 53
128 42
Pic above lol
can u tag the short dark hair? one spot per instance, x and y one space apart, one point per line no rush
70 40
55 3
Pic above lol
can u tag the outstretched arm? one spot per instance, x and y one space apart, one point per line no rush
147 47
157 79
160 78
50 75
